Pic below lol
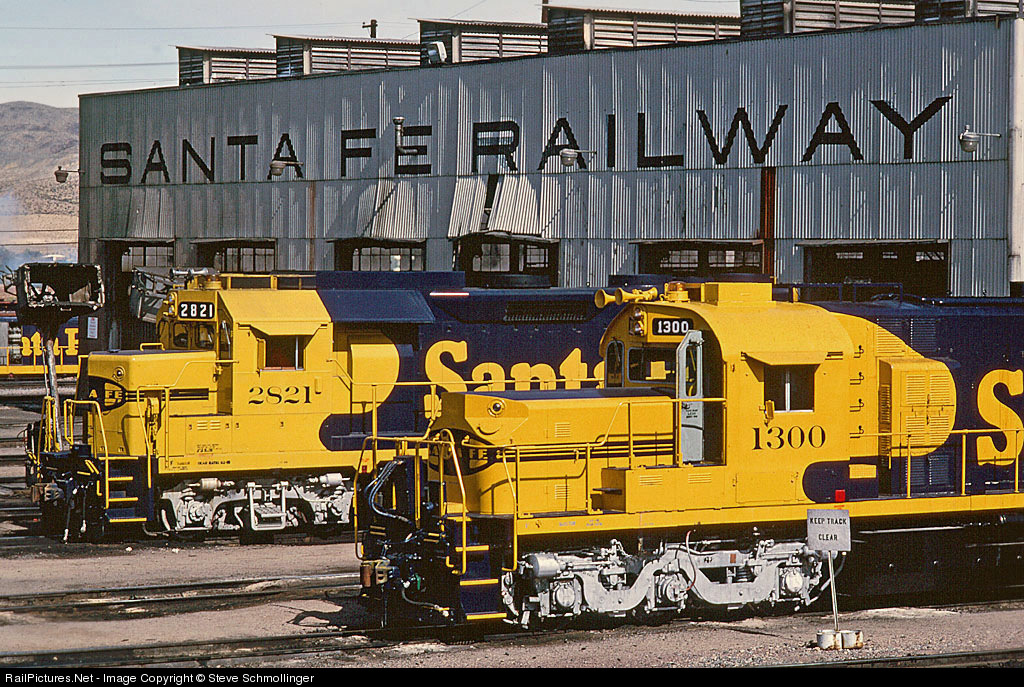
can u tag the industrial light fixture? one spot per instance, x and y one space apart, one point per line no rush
969 140
436 52
277 167
61 174
568 156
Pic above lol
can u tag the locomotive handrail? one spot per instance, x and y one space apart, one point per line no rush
45 433
163 413
94 406
444 499
419 442
963 433
9 353
515 509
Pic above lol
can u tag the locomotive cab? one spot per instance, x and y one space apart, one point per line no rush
783 366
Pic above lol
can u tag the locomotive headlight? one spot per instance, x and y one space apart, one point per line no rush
638 328
638 313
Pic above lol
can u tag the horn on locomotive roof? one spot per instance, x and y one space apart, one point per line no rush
623 296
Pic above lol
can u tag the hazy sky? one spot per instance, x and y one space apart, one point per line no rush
52 50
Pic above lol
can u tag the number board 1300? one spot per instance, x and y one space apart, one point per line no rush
195 310
669 326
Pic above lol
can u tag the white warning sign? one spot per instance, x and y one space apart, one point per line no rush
828 530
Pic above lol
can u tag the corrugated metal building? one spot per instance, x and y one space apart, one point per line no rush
807 156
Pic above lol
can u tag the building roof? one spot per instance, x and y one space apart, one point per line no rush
652 14
505 25
204 48
353 40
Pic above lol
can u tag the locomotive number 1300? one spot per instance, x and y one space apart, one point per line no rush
794 437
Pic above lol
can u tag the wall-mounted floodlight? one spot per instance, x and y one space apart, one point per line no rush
277 167
61 174
436 53
969 140
568 156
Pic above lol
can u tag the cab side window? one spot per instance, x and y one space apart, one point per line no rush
224 342
613 364
283 352
789 387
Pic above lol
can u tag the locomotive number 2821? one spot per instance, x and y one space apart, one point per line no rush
195 310
794 437
259 395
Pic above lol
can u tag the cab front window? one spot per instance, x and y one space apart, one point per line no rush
651 365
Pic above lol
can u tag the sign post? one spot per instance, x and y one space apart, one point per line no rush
829 531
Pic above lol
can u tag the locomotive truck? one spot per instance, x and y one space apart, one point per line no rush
683 485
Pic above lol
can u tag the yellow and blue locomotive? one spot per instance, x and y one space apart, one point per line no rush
250 413
684 483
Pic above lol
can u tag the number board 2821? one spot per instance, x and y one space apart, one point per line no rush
195 310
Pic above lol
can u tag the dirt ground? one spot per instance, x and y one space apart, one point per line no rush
757 641
123 565
751 642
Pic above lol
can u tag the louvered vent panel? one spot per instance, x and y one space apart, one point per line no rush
887 344
289 57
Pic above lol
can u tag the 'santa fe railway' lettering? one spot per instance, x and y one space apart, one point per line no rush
490 376
244 155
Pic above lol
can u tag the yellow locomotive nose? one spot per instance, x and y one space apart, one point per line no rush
494 419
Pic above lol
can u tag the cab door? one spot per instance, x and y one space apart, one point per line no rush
690 384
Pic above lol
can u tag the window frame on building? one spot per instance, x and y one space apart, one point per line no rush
700 257
514 260
919 267
233 255
378 255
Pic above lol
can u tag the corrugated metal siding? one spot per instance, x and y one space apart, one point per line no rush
515 207
941 193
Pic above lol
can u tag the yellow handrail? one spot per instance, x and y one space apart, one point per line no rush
515 510
94 408
462 489
963 433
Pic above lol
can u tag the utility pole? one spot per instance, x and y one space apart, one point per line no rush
373 28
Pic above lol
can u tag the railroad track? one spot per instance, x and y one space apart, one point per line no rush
19 513
160 599
200 654
335 643
1003 658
